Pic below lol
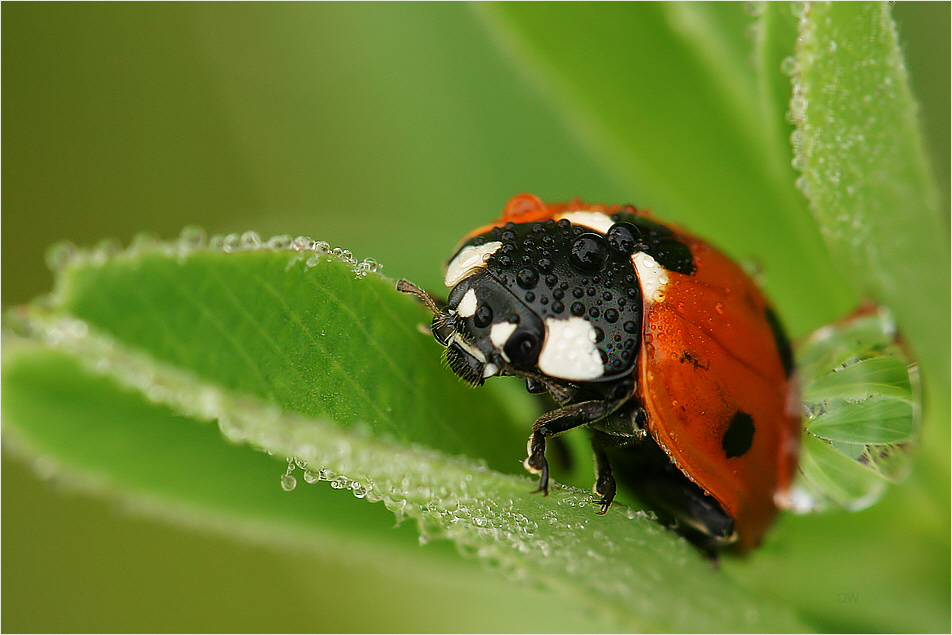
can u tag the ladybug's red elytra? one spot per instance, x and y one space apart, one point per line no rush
658 343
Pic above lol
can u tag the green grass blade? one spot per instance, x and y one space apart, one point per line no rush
865 170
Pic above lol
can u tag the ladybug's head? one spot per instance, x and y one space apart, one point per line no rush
485 329
539 298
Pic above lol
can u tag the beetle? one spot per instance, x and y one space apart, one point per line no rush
658 343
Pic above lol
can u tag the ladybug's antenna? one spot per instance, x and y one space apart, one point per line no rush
406 286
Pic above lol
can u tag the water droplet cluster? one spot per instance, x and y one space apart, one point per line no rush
193 239
562 270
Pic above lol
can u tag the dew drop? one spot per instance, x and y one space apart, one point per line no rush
192 237
231 430
59 255
798 104
143 242
279 242
789 66
231 243
250 240
108 247
288 482
753 9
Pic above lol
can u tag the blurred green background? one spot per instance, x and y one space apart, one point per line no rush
378 128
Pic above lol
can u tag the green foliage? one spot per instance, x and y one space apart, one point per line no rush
419 130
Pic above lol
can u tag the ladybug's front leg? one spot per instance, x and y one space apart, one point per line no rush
604 480
556 422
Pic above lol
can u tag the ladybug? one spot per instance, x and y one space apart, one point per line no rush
652 339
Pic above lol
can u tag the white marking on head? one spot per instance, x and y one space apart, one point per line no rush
467 306
569 350
593 220
469 348
651 275
499 335
470 259
489 370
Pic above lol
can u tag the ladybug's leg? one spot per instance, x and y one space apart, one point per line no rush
604 481
556 422
697 515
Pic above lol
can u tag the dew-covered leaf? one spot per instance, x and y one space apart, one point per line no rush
295 326
303 353
865 171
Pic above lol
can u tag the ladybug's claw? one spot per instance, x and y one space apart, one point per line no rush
604 480
608 494
543 481
536 462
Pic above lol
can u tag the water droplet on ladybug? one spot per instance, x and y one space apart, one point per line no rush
623 237
527 278
483 316
589 253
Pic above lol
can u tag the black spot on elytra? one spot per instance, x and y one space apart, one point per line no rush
631 234
781 341
739 436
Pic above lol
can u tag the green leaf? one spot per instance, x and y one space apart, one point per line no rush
291 324
307 355
877 421
837 476
865 171
882 375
